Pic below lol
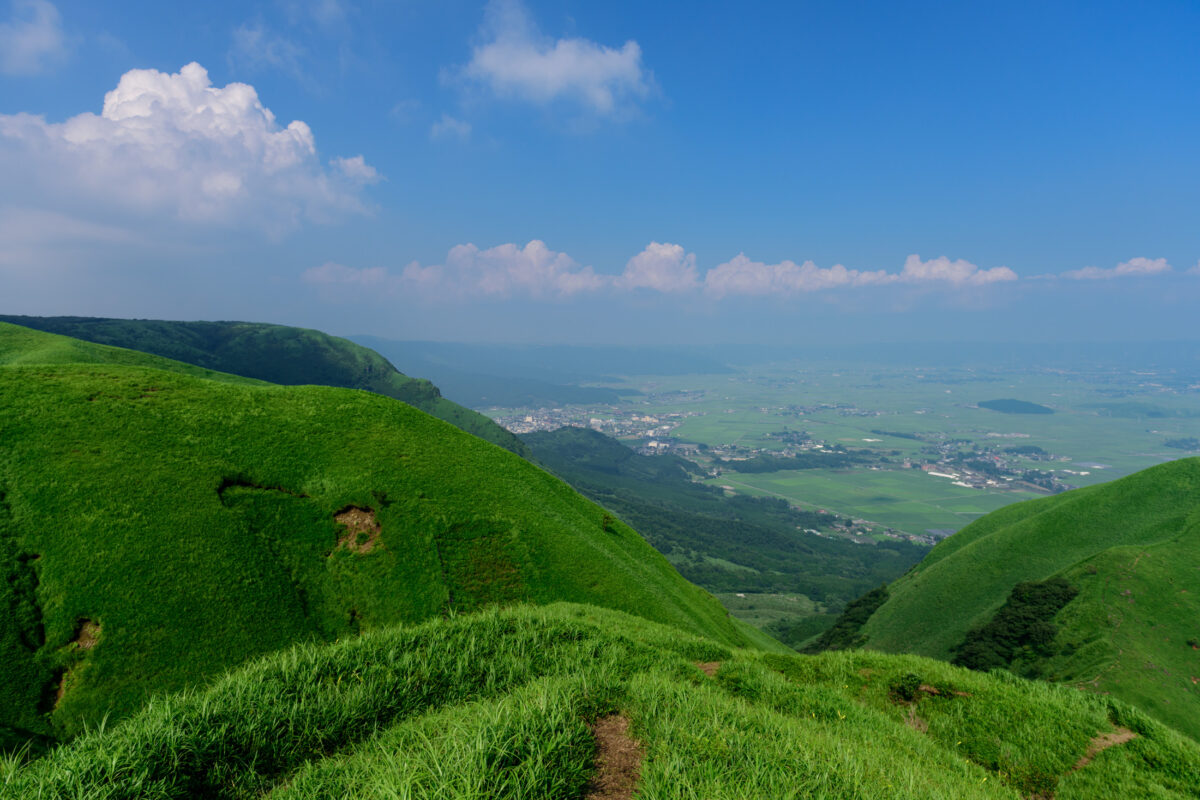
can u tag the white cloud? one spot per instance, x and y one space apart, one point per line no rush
1194 270
1132 267
32 39
356 169
174 145
516 60
662 267
499 272
534 270
449 127
956 273
740 275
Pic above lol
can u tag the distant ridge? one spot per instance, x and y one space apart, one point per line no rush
277 354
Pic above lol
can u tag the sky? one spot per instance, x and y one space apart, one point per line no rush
617 172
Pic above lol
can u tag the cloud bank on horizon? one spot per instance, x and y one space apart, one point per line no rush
537 272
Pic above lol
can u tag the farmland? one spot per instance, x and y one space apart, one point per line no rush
906 422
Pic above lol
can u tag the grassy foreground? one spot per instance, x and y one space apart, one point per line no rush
1130 547
158 527
498 705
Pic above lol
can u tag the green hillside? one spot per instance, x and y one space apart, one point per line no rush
277 354
725 544
569 701
1131 549
158 527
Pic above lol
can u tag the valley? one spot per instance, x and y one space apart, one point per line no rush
922 458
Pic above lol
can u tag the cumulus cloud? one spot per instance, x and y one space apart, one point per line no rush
1132 267
956 273
536 271
174 144
32 40
1194 270
356 169
516 60
448 127
662 267
742 276
504 271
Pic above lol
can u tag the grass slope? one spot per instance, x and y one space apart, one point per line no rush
498 705
274 353
157 528
1131 547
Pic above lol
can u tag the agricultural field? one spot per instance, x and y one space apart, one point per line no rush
909 500
898 420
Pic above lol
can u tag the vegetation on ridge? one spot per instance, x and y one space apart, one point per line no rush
498 705
1021 627
277 354
1131 547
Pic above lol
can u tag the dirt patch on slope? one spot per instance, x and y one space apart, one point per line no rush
1102 742
709 668
916 723
362 529
618 760
87 634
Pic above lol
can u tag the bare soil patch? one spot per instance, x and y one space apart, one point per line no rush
362 529
618 760
916 723
709 668
87 634
1102 742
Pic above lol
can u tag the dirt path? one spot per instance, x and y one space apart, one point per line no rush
618 760
709 668
1101 743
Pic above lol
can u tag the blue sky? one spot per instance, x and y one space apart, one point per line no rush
607 172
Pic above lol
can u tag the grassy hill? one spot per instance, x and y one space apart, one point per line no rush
160 524
275 353
557 701
1131 549
725 544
